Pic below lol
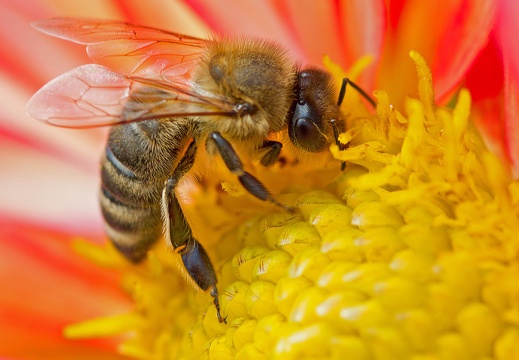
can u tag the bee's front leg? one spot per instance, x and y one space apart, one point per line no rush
337 142
234 164
271 150
179 234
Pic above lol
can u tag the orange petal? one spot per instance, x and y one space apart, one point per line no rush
449 35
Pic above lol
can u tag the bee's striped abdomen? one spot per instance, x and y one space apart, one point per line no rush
139 157
130 208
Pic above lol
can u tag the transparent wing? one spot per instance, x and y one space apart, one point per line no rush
129 49
93 95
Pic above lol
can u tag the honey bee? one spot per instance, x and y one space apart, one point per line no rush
165 94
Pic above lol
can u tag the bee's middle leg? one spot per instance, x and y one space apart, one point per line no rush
234 164
179 234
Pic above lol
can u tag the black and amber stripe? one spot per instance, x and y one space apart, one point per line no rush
131 208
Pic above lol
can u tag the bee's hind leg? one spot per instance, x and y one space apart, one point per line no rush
178 232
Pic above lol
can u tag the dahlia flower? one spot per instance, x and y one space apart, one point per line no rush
408 253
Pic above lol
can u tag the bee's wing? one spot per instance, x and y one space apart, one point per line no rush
129 49
93 95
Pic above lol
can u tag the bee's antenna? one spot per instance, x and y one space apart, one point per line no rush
342 92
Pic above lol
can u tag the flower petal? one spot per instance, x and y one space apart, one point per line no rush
46 190
512 117
315 40
46 286
465 35
363 26
506 27
31 57
250 18
453 34
164 14
493 81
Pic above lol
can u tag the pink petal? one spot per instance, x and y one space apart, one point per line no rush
23 69
30 57
315 40
259 19
44 189
164 14
46 286
48 174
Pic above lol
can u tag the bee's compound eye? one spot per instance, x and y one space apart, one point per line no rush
304 133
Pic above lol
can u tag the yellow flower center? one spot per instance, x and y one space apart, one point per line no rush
411 252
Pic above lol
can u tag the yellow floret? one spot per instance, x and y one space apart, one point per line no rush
410 253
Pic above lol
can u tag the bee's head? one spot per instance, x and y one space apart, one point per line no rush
313 109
